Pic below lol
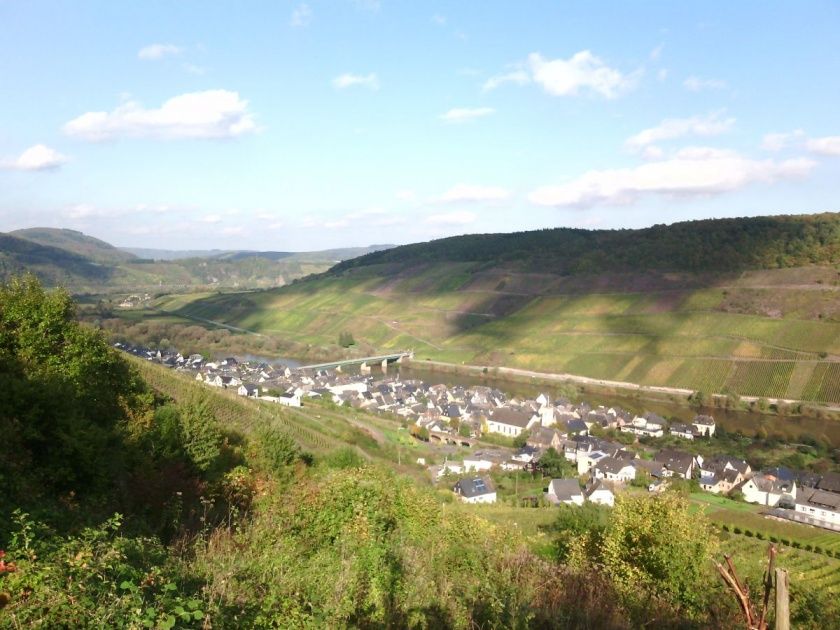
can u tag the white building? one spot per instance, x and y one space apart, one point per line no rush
819 505
564 491
476 490
766 490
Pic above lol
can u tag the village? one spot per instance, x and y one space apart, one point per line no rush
479 430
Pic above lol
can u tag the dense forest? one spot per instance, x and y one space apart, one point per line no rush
130 504
707 245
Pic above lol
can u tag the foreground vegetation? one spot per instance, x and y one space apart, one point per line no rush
135 498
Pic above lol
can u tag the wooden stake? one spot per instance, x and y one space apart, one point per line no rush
782 600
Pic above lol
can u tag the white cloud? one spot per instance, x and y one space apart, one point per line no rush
656 53
154 52
692 172
567 77
301 16
406 195
210 114
233 231
711 124
696 84
464 114
470 193
779 141
36 158
828 145
439 19
348 79
452 218
84 211
662 74
518 77
211 218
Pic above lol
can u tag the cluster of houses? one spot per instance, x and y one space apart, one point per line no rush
459 416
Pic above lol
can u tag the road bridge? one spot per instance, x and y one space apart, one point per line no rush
365 362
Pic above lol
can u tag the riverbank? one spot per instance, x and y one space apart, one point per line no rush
603 387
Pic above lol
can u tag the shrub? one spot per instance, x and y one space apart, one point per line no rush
748 532
759 535
737 530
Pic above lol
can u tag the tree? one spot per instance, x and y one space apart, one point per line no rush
345 339
654 546
64 395
522 439
553 464
201 436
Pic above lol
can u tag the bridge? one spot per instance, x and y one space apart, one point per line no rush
457 440
364 362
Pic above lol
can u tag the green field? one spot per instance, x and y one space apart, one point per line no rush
713 338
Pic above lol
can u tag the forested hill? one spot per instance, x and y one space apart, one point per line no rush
707 245
77 243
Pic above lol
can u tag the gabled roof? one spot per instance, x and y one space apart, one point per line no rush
819 498
674 460
612 465
565 489
474 487
511 417
830 481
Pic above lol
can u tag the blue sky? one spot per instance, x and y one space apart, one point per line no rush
300 126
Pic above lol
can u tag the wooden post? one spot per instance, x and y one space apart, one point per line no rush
782 600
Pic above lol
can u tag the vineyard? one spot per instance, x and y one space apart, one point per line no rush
807 570
705 338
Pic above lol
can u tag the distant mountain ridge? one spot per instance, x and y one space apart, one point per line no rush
75 242
86 264
240 254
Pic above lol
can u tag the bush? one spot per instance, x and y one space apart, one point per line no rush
737 530
748 532
759 535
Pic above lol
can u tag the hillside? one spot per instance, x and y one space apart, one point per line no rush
762 332
85 264
53 265
707 245
75 242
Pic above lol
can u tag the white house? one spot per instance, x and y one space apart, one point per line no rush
252 391
648 425
612 469
704 425
766 489
290 399
564 491
511 422
476 490
600 492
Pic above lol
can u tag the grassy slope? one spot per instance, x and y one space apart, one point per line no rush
322 429
758 333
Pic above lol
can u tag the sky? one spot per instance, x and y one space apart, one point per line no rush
298 126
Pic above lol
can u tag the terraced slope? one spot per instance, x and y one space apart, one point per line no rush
773 333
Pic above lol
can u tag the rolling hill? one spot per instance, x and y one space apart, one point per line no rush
84 264
744 305
77 243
